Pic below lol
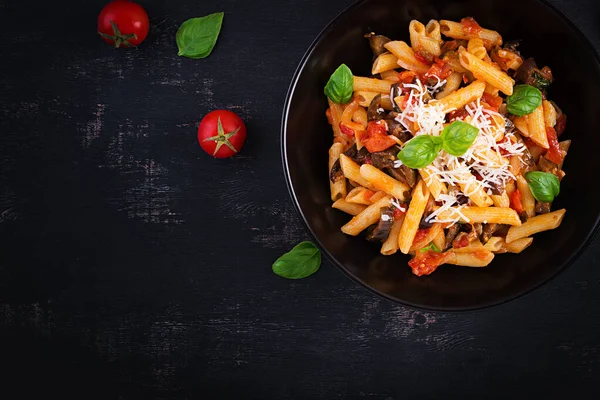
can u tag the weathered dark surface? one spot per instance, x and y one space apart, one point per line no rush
134 266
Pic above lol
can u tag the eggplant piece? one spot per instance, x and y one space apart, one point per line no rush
358 156
381 231
530 74
525 72
497 188
547 166
488 231
395 128
375 111
385 159
424 224
336 172
451 235
377 42
542 208
476 231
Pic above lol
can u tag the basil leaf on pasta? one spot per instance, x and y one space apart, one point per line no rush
302 261
420 151
524 100
340 86
544 185
458 137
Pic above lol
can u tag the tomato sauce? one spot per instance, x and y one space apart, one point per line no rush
516 202
470 26
376 138
426 262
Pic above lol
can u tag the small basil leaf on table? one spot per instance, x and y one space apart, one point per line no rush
544 185
197 37
300 262
458 137
340 86
420 151
524 100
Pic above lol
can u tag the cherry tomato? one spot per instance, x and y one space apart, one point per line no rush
375 138
554 153
123 23
221 133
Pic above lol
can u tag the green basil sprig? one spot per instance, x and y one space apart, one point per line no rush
544 185
456 139
302 261
524 100
340 86
420 151
197 37
431 247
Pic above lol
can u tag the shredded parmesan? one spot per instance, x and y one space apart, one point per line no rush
428 119
485 157
397 204
385 217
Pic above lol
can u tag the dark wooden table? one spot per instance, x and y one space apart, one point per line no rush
132 265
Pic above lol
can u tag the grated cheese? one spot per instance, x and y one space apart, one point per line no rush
485 157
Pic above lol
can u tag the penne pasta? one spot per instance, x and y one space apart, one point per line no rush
390 246
475 47
368 217
416 31
487 72
457 30
433 31
371 85
365 99
440 240
537 128
412 219
433 182
391 75
527 198
431 234
384 62
337 189
549 114
406 57
522 125
501 200
351 171
495 245
452 83
518 245
336 117
462 96
485 215
361 195
381 181
431 46
348 208
535 225
477 258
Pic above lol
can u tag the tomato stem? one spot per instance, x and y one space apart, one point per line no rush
118 38
222 138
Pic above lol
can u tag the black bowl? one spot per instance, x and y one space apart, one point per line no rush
547 36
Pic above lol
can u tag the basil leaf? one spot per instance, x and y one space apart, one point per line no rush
431 247
197 37
300 262
420 151
544 185
458 137
524 100
340 86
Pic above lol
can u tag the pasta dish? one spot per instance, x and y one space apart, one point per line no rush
450 150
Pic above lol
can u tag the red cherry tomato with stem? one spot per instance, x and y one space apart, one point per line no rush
123 23
221 133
